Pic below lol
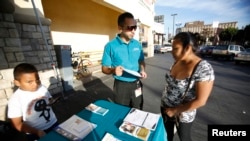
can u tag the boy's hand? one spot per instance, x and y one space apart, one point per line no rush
41 133
53 100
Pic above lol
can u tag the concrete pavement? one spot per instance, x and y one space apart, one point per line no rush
87 90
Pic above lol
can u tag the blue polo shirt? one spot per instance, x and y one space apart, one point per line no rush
119 53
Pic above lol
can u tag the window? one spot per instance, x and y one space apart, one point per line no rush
237 48
242 49
231 47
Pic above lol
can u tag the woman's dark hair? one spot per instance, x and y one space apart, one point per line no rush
123 16
187 38
23 68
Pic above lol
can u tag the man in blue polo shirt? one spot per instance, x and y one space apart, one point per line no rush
122 55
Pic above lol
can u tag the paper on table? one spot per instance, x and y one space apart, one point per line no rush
135 73
97 109
75 128
109 137
134 130
142 118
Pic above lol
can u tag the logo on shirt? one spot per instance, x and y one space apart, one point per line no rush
136 49
40 105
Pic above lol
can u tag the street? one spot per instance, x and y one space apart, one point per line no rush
229 100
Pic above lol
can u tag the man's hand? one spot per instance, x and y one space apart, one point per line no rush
143 74
118 70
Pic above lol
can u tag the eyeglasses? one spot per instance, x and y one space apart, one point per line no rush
130 28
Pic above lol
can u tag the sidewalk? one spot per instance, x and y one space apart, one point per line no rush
86 91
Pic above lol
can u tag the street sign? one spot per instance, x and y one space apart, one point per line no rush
159 19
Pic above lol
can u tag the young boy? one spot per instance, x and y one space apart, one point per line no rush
29 109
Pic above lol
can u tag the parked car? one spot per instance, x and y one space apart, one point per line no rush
206 51
227 51
168 47
242 57
159 49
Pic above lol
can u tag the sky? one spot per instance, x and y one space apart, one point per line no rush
209 11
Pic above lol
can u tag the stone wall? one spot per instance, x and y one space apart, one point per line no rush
22 41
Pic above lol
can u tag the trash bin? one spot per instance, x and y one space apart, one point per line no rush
63 56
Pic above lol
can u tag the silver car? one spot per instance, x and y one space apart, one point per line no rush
168 47
159 49
242 57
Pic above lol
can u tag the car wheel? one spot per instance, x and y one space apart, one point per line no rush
214 57
231 57
237 62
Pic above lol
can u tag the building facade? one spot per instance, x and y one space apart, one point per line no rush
158 30
84 25
208 30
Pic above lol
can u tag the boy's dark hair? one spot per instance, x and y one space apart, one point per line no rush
123 16
187 38
23 68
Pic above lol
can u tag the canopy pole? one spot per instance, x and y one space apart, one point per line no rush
46 44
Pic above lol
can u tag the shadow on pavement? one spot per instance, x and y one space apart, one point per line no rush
76 100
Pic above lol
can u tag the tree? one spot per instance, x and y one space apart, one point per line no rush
239 37
198 38
224 36
232 31
246 38
228 34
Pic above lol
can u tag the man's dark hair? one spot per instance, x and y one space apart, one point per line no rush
23 68
123 16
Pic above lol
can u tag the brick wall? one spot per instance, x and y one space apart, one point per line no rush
22 41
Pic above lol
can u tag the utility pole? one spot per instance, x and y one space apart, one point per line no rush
168 34
173 22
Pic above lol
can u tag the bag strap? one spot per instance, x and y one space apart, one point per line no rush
190 78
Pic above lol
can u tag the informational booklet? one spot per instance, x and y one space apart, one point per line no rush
110 137
75 128
134 130
142 118
97 109
135 73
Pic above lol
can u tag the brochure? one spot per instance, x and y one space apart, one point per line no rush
135 73
75 128
110 137
142 118
134 130
97 109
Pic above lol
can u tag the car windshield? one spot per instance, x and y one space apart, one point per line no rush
167 45
207 47
221 47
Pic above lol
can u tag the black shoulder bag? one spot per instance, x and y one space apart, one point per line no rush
184 95
189 81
